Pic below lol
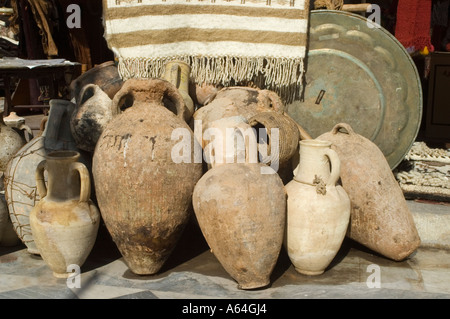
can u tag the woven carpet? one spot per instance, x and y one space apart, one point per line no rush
425 173
413 24
226 42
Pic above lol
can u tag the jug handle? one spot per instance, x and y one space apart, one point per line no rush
169 90
85 182
335 166
337 129
87 92
276 103
40 181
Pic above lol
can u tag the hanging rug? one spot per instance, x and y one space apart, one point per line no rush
226 42
425 173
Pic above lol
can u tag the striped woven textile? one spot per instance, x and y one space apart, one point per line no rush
225 41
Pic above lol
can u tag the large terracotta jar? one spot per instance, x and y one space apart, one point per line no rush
318 209
380 217
65 221
236 101
278 138
143 184
241 210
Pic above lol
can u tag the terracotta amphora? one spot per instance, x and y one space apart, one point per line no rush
105 75
11 142
241 210
90 116
145 173
318 209
380 217
177 73
237 101
278 138
65 221
20 184
18 123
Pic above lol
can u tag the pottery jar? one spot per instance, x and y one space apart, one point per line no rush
20 183
177 73
90 117
18 123
237 101
278 138
105 75
144 185
241 210
380 217
65 221
11 142
318 209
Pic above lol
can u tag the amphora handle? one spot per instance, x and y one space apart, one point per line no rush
85 182
335 166
338 129
150 91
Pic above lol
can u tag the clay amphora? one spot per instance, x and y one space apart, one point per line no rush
177 73
145 191
235 101
18 123
65 221
318 210
222 132
90 117
11 141
20 183
241 210
380 217
105 75
278 138
20 187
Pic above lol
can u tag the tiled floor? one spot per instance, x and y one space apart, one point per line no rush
192 272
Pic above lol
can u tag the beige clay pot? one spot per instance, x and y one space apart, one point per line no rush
65 221
380 217
241 210
318 209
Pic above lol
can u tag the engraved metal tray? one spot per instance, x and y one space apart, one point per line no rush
358 73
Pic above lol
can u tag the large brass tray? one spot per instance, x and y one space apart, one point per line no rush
358 73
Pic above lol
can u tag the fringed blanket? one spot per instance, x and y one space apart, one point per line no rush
225 41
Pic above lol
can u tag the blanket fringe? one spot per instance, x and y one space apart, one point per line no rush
281 75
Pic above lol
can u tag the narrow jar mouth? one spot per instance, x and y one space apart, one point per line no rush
63 155
315 143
